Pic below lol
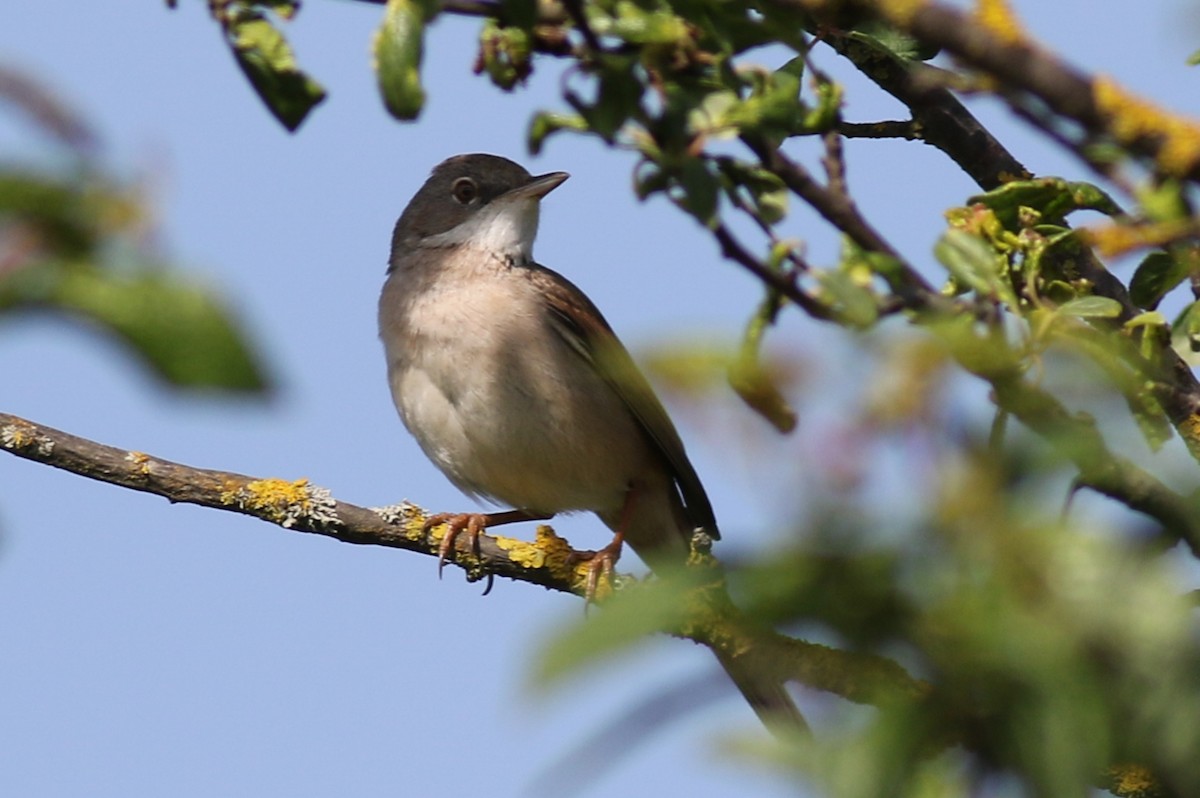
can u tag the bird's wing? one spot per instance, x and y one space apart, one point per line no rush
580 323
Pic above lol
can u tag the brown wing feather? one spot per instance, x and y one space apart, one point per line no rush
585 330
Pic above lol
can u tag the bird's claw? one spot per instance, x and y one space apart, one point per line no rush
456 523
601 565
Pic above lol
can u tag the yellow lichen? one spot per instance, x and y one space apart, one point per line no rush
901 12
998 18
1132 780
268 493
1191 427
283 502
140 462
1115 239
20 435
526 555
1131 118
405 515
1009 177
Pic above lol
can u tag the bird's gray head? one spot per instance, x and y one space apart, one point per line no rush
479 201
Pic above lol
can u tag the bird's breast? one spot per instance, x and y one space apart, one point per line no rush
496 398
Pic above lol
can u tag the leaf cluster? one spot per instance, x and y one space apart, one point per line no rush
75 241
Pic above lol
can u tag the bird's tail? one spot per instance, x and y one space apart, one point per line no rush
766 696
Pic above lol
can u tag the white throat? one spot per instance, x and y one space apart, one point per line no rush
504 228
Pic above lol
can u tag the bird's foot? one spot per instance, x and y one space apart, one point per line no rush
600 566
474 524
456 523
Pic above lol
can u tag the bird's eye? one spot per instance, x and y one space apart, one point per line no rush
465 190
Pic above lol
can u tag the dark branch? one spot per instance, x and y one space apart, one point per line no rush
939 117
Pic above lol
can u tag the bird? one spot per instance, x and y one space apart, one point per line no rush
516 387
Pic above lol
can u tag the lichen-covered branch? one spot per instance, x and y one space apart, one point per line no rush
994 44
296 505
549 561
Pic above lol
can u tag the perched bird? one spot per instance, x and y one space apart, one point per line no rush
516 387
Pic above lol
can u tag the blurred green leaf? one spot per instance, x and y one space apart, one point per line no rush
766 190
285 9
504 53
848 299
1050 199
1087 196
269 63
1151 419
1151 318
181 331
68 216
754 384
638 25
1163 201
618 97
1092 307
975 265
700 191
545 123
625 620
1194 58
1156 276
1185 334
398 49
892 40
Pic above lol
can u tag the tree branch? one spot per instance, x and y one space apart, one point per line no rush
548 562
999 48
946 124
942 121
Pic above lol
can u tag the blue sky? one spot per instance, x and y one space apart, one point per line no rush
151 649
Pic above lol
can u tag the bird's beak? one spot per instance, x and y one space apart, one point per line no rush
537 187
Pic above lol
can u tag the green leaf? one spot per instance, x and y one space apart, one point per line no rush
398 49
975 265
1047 199
848 299
1163 201
767 191
72 216
1087 196
1151 318
269 63
546 123
286 9
772 203
1194 58
892 40
700 191
504 53
637 25
617 98
1185 334
624 621
1150 417
649 179
1156 276
1092 307
181 331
